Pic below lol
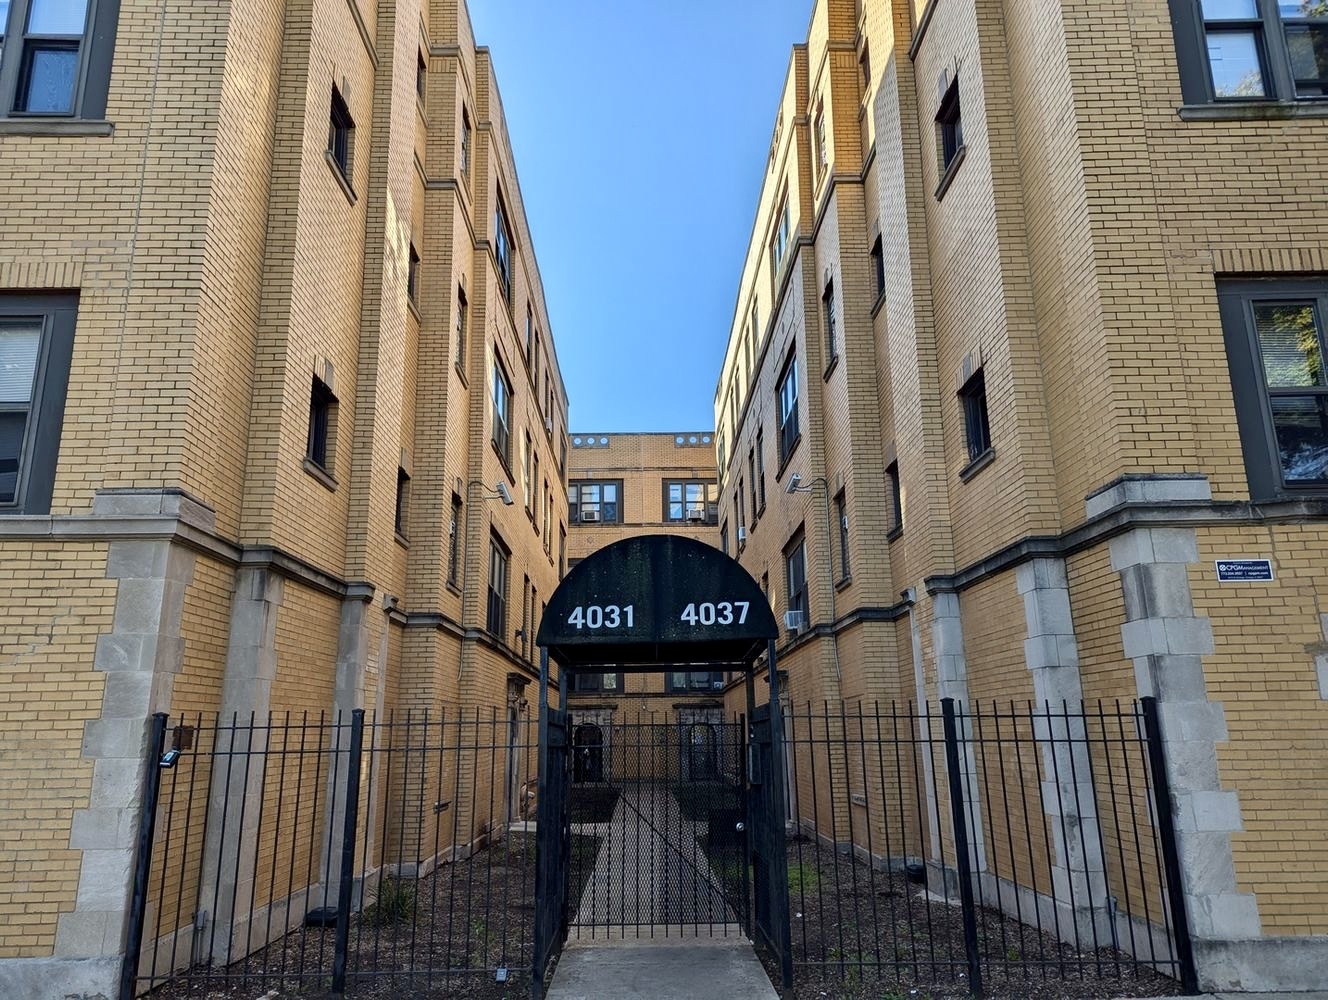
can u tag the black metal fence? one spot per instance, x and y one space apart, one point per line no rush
946 849
351 854
983 848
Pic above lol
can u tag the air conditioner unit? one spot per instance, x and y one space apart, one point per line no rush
718 685
548 425
587 516
742 533
795 621
696 513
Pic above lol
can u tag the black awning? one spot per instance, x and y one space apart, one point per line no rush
657 602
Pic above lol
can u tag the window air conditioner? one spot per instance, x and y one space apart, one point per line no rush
695 513
794 621
548 425
587 516
742 533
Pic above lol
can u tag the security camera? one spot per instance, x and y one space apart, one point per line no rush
794 482
505 493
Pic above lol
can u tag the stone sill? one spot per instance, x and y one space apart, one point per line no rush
56 127
1252 111
322 475
977 465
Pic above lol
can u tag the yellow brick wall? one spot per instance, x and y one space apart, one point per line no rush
55 602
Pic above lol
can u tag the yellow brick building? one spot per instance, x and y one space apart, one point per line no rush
1024 384
621 486
273 355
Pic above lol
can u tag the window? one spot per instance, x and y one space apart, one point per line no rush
421 76
530 334
1275 333
597 683
779 243
413 276
562 547
950 126
535 363
461 319
760 469
724 538
977 429
864 64
694 683
322 407
36 345
464 150
525 472
878 267
548 519
57 61
695 500
895 500
841 511
756 321
751 478
527 606
496 618
502 250
591 501
822 152
535 476
403 501
453 542
502 412
739 505
1251 49
795 574
788 409
340 135
828 311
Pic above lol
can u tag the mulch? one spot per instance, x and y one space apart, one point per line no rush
471 921
861 933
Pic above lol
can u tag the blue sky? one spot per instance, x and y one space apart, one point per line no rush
640 129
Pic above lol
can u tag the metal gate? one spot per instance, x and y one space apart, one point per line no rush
665 804
553 841
765 816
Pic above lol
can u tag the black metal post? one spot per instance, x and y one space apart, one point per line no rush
147 828
1166 827
779 857
348 837
961 846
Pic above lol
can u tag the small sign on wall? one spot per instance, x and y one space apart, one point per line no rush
1244 571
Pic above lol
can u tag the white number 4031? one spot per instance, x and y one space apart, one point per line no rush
595 616
715 614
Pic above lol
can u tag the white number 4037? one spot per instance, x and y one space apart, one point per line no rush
595 617
715 614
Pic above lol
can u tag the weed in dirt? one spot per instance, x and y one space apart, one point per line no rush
802 878
395 904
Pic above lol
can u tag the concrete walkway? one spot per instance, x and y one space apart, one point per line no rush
677 967
650 869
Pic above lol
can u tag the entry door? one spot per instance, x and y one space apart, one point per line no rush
553 844
765 821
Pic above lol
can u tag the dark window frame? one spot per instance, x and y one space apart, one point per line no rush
693 681
950 128
977 421
464 151
751 481
341 135
1191 29
790 432
413 276
841 514
421 76
710 509
586 683
501 411
39 449
95 47
828 317
462 320
895 499
1251 393
454 542
760 469
878 267
319 444
402 512
576 505
796 592
502 249
500 559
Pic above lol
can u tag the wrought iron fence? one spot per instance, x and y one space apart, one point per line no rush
946 849
982 848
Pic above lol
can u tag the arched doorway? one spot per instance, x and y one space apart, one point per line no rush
708 807
587 753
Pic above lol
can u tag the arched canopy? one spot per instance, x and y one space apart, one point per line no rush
655 602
